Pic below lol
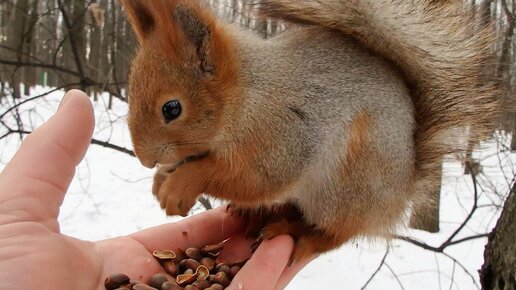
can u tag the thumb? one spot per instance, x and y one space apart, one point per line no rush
264 269
33 184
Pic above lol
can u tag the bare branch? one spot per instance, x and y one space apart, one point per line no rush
93 141
382 263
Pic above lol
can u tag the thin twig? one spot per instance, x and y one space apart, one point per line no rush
395 276
382 263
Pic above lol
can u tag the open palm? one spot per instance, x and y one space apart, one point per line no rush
34 255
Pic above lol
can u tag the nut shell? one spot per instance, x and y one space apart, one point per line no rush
202 273
164 254
186 279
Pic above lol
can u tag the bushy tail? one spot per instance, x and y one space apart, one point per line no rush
443 49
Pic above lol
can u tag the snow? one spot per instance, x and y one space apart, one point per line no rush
110 196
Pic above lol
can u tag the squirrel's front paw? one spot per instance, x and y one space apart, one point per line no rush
177 195
177 205
159 179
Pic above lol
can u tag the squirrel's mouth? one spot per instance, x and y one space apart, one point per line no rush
189 159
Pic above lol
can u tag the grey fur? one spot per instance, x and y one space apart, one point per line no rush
331 79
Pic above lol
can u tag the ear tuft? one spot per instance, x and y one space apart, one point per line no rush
140 17
198 33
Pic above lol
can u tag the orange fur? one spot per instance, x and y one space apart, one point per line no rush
358 136
166 54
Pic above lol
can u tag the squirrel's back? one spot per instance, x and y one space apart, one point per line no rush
442 48
334 107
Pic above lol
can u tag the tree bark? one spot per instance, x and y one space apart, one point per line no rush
16 42
499 269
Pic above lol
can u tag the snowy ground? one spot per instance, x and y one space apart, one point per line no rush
110 197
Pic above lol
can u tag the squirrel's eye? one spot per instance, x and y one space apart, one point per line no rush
171 110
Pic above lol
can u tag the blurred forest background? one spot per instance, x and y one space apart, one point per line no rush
88 44
80 44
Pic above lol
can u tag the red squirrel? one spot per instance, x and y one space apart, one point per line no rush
326 132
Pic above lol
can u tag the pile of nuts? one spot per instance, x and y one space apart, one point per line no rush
193 269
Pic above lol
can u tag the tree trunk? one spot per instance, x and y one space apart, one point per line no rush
30 46
499 269
95 50
74 48
16 42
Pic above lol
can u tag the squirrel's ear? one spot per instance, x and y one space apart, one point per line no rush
140 17
199 33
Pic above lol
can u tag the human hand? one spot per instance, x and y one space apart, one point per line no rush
35 255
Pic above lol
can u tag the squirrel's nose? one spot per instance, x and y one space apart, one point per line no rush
149 164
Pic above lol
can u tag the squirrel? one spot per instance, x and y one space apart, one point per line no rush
329 131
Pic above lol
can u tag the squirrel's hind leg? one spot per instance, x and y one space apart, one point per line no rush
309 240
265 223
255 219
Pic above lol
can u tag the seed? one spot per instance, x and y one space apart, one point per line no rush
234 271
180 255
219 260
193 253
143 287
240 263
184 270
220 265
213 250
170 267
224 268
221 278
208 263
202 284
157 280
171 286
164 254
191 264
215 287
116 281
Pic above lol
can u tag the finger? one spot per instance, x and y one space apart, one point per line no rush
290 272
263 270
237 248
209 227
34 182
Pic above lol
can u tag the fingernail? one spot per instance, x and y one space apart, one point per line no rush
63 101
